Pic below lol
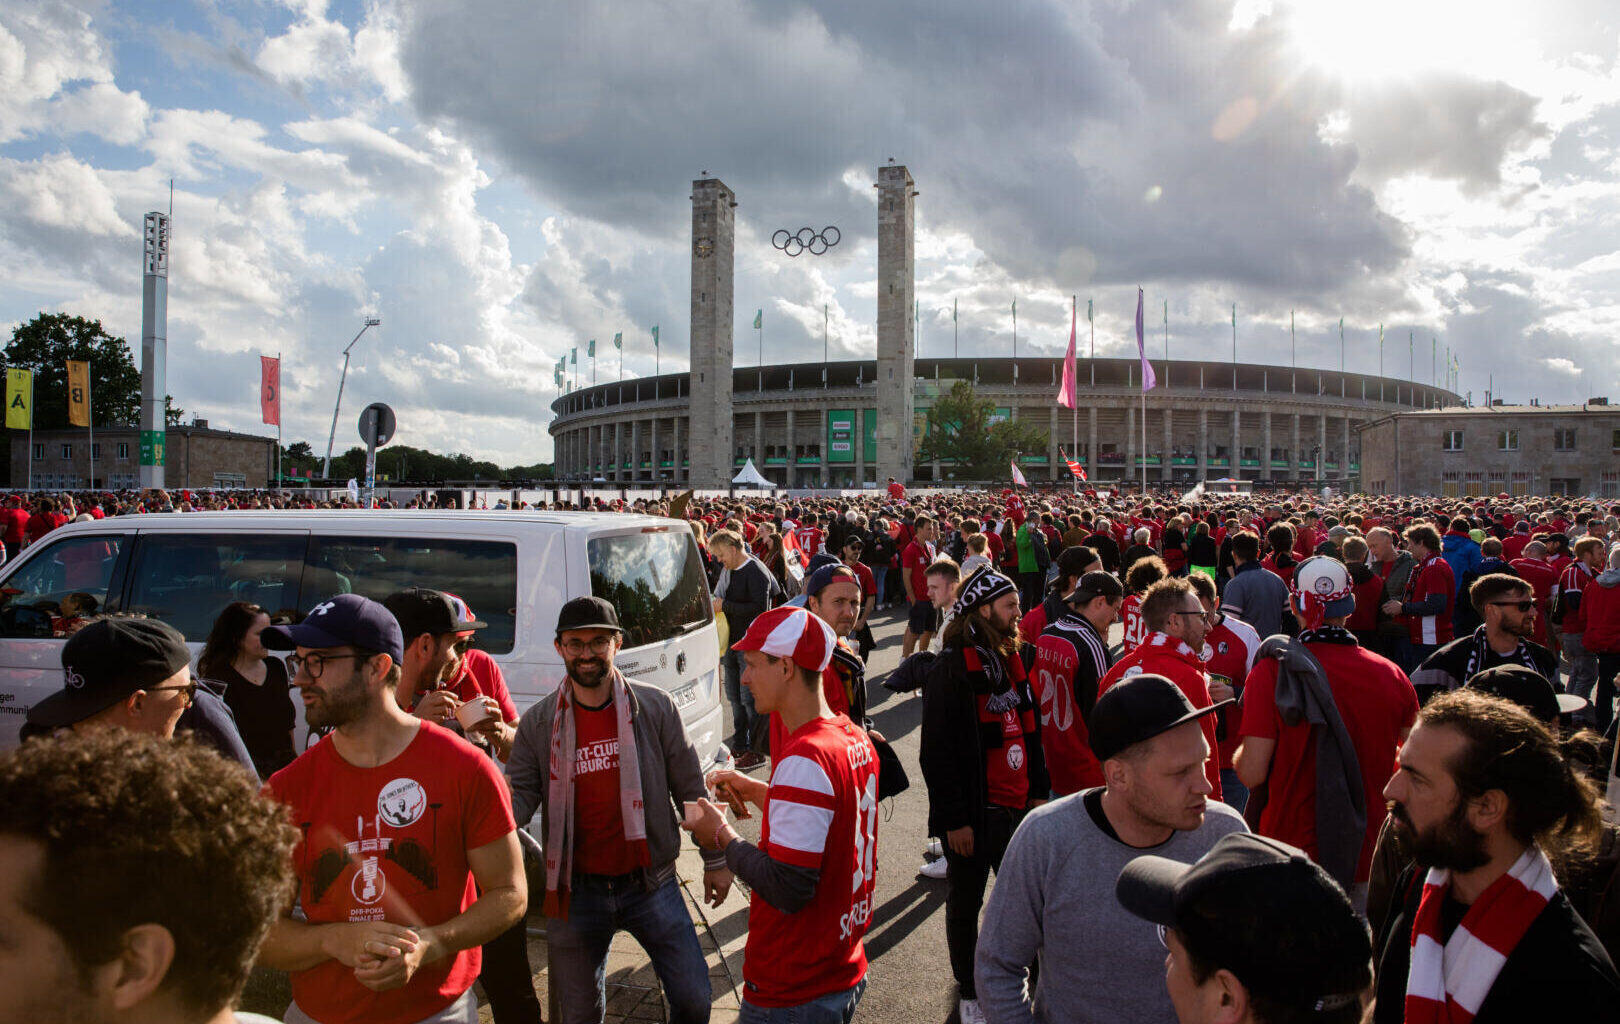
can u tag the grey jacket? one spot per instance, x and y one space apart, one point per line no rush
1395 590
669 766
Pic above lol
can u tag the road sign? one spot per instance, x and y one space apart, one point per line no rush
376 424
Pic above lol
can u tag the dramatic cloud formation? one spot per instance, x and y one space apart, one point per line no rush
501 183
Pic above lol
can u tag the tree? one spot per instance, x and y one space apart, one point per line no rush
172 414
45 344
960 432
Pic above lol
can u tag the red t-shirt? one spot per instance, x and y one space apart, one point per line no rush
821 812
868 581
599 844
1369 594
16 525
1432 577
1158 654
897 490
809 538
1543 581
1377 704
1065 740
41 523
390 843
1573 580
996 546
915 561
1513 547
1135 625
1007 768
1232 646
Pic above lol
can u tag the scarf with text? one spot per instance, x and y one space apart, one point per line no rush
1446 983
560 835
1480 650
990 673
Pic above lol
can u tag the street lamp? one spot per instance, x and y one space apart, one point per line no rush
326 467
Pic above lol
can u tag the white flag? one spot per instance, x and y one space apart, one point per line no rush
1018 476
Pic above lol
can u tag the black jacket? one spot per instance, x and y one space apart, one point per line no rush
1558 971
748 594
955 744
1107 549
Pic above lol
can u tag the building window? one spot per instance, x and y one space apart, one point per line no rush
1564 439
1614 442
67 451
95 450
1451 441
1507 440
123 451
39 453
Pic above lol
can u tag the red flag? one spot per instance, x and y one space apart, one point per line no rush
270 389
1075 468
1018 476
1066 394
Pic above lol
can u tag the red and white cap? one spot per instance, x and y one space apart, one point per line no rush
464 613
789 632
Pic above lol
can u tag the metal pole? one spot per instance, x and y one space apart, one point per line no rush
90 416
326 467
278 419
1144 442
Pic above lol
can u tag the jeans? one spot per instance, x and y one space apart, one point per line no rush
1583 669
834 1008
1233 792
742 703
1031 588
659 920
1608 665
964 890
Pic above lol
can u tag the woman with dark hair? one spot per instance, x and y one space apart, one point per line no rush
1281 560
255 685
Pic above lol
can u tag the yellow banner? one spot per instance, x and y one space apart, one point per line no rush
78 392
20 399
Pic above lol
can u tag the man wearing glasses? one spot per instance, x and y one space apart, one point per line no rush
1508 606
605 761
435 681
135 674
399 818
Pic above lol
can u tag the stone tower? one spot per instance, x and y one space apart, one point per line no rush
896 327
154 347
713 235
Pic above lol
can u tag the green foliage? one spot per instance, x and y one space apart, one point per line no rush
45 344
403 464
960 432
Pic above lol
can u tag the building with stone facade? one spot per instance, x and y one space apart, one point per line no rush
196 456
1205 420
1523 449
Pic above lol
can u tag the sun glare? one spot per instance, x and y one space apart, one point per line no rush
1371 40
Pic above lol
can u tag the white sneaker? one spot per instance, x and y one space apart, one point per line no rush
934 849
935 868
968 1012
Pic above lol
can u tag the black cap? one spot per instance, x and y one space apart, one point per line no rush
1094 585
1527 688
106 661
1262 910
587 613
347 620
1139 708
421 610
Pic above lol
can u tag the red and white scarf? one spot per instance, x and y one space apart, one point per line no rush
560 834
1446 984
1172 645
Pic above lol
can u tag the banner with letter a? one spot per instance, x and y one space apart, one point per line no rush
20 399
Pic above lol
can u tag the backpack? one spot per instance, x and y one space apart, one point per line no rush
1043 557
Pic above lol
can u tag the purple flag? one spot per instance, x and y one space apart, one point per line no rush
1149 381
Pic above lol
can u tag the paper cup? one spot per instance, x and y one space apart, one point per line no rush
694 811
473 712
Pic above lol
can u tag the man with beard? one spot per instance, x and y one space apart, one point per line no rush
833 594
605 761
1508 606
400 819
981 757
1487 805
862 631
1394 567
1102 965
1426 606
137 878
436 637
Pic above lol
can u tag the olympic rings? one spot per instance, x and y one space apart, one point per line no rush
808 240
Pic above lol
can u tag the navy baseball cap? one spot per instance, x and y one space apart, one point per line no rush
347 620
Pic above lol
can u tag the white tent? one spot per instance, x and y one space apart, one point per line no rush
751 477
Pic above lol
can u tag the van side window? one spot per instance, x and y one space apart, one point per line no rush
79 567
482 573
654 580
186 580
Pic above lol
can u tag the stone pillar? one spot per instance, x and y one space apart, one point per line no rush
713 231
1130 442
1344 461
1321 443
792 453
677 442
759 442
1091 443
896 325
1233 463
1295 457
1203 444
618 451
635 451
821 446
1165 469
652 446
1265 445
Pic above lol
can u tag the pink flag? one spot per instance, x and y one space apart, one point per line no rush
1018 476
1149 381
1066 392
270 389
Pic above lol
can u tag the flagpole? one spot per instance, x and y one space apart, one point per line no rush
956 333
1074 313
90 419
1093 359
1341 345
824 348
278 420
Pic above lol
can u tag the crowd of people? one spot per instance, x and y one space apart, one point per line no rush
1265 758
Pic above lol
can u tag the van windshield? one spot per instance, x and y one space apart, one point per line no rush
654 580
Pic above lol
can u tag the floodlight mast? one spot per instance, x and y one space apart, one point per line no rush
326 468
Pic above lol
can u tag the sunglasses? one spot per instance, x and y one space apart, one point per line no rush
1523 606
189 689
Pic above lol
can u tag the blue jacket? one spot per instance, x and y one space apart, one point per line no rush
1461 552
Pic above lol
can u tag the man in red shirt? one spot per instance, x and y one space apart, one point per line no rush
814 871
1071 658
853 548
1370 696
1230 647
1431 596
408 859
14 519
922 619
1176 627
897 490
809 535
1533 567
1567 613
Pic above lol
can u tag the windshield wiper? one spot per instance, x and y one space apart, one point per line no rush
687 627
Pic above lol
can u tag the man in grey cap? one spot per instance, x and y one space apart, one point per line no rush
1103 965
605 761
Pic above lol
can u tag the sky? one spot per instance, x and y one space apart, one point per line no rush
500 181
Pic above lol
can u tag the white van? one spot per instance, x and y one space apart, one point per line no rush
513 568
